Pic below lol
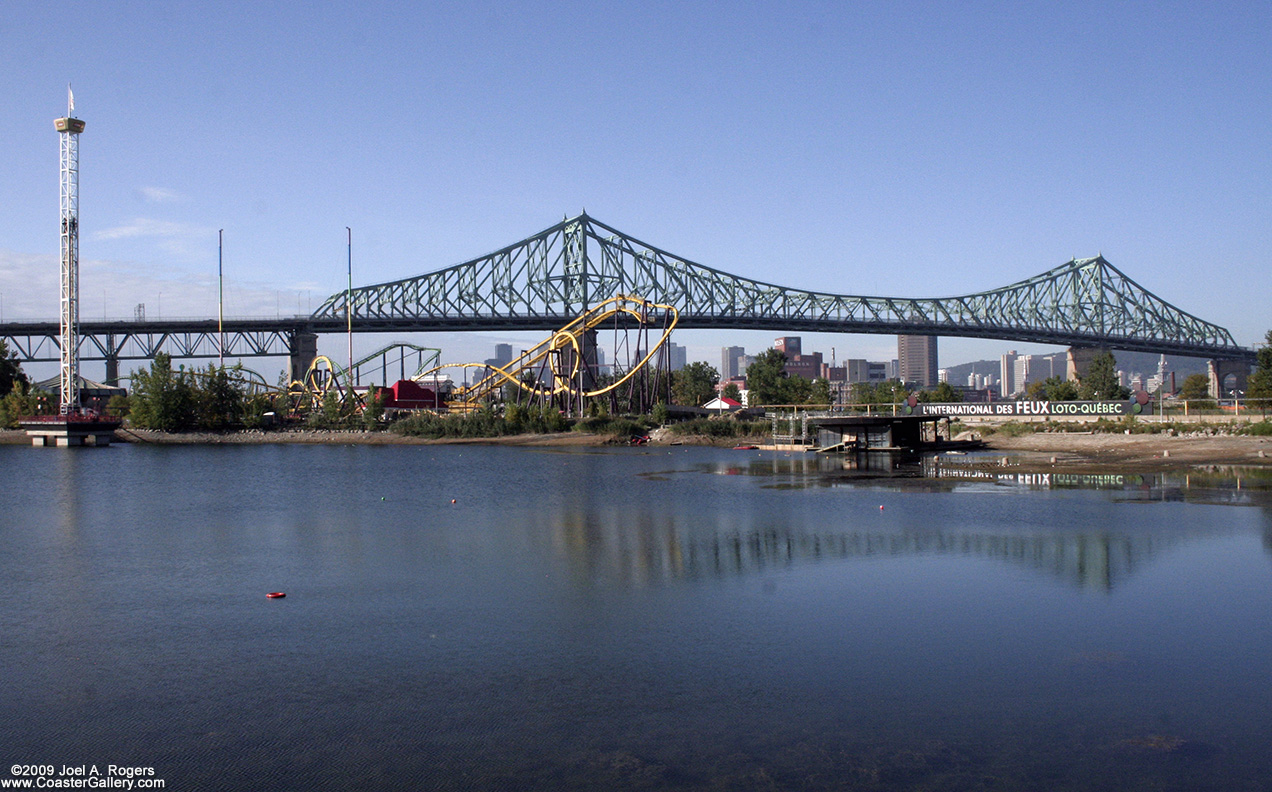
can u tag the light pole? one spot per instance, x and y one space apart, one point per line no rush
220 296
349 307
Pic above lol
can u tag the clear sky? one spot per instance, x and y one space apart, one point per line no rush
897 149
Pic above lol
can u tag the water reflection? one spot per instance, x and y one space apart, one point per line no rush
1225 484
642 548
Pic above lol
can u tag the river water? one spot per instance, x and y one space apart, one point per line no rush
483 617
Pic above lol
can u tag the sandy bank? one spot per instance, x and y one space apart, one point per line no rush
1146 451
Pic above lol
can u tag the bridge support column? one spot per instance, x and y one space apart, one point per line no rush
112 361
1227 376
303 348
1078 361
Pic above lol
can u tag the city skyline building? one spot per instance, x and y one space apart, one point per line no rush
917 360
1007 374
789 345
677 356
730 362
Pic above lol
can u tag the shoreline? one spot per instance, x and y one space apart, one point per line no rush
1035 451
360 437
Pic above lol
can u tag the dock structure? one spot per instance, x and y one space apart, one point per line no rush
877 432
69 430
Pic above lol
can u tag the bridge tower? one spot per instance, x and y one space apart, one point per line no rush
70 129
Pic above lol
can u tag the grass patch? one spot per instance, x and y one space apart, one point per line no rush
1261 429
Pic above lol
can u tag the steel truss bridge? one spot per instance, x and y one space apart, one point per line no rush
545 281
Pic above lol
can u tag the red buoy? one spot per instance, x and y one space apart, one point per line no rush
276 595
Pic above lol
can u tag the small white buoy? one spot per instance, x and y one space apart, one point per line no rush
1166 453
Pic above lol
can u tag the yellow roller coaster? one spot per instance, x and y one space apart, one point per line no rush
558 368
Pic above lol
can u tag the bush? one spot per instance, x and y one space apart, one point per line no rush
483 423
721 427
1010 429
619 427
1261 429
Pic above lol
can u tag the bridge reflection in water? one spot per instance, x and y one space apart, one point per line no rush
643 547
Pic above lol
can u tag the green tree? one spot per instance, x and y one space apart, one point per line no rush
162 399
887 392
731 391
1053 389
795 390
1100 381
820 393
1195 387
943 393
659 414
764 377
374 409
332 411
254 409
11 373
220 401
1259 384
118 406
694 385
18 402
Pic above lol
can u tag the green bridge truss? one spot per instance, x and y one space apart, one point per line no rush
546 280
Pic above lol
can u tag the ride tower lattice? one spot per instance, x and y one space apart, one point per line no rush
70 129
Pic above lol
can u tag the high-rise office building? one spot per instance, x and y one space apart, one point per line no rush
1007 375
730 366
789 346
916 357
677 355
503 356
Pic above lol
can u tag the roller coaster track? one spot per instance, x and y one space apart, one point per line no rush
564 355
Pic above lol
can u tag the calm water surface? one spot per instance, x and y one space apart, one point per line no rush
628 619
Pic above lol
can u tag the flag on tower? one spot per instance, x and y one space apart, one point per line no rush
70 100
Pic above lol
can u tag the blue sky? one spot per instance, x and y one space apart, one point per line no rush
899 149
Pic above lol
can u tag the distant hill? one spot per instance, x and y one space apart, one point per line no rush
1131 362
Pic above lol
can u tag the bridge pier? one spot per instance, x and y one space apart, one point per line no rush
112 370
1226 376
302 348
1078 361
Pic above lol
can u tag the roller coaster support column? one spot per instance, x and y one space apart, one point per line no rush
303 349
1227 376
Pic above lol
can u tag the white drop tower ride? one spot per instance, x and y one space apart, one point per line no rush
70 129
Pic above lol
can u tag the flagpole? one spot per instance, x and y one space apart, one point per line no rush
220 296
349 310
